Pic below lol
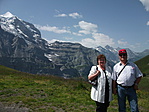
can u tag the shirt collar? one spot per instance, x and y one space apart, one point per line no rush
122 64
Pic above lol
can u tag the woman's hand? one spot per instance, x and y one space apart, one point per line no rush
97 72
93 76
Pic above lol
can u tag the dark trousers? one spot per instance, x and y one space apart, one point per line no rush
102 107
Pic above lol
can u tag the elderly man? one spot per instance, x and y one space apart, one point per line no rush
126 77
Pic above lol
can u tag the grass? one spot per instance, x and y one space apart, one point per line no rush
22 92
143 64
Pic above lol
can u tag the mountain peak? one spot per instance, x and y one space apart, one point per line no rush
108 47
8 14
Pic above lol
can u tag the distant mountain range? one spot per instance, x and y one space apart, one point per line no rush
23 48
112 53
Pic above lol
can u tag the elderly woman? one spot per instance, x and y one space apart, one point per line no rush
102 92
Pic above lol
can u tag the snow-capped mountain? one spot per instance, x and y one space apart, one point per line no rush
21 45
18 27
109 52
23 48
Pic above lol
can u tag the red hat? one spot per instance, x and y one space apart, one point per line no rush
122 51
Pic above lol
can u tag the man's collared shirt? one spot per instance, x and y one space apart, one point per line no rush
128 75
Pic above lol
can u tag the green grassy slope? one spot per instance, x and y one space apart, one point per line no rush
31 93
143 64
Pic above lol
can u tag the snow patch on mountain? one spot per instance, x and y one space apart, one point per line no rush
50 56
8 15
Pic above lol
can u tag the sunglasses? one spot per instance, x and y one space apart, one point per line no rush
124 54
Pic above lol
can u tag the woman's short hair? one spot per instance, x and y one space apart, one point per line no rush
100 56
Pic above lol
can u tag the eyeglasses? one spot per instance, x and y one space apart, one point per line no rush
124 54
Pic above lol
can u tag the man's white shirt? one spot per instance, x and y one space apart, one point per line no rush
128 75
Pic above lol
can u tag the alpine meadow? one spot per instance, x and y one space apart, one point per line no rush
23 92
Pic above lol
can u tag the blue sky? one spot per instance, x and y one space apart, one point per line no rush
118 23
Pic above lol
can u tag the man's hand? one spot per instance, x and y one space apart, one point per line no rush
136 87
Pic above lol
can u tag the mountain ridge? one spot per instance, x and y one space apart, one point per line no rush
23 48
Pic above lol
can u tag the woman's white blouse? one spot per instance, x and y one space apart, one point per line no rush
98 92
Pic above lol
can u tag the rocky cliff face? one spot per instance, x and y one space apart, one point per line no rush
73 59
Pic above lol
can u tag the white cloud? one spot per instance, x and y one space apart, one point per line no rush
61 15
84 32
125 44
87 28
68 38
147 23
75 15
53 29
121 42
77 34
146 4
98 39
